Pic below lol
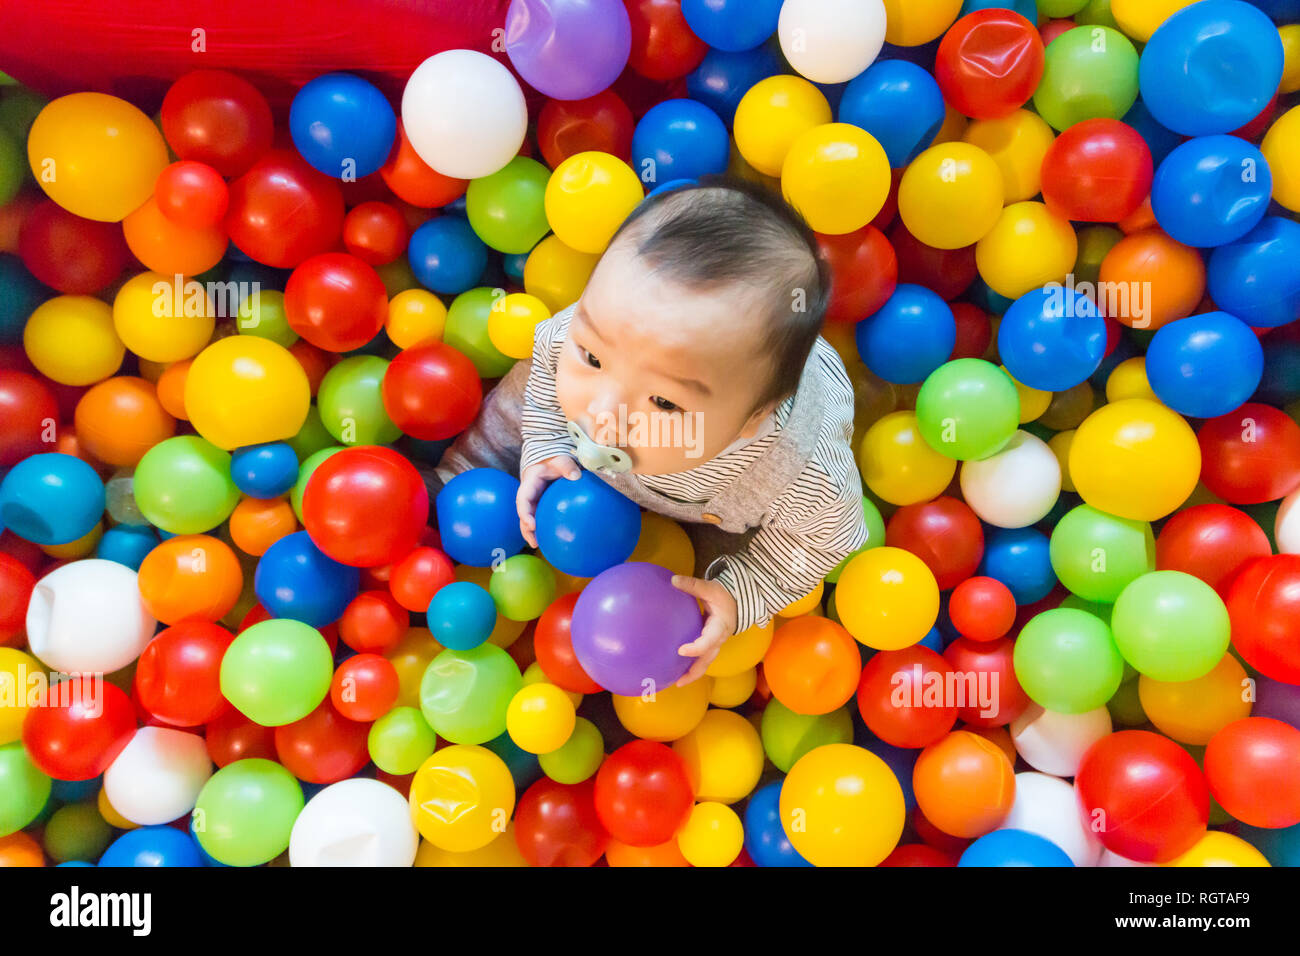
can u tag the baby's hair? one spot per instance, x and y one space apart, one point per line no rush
730 231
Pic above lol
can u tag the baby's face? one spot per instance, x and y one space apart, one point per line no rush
668 374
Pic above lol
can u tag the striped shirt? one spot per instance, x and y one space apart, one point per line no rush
808 526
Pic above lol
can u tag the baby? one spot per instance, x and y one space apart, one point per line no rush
691 377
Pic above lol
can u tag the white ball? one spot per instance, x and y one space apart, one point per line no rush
464 113
158 776
357 822
1049 806
831 41
1055 743
1016 487
87 617
1286 526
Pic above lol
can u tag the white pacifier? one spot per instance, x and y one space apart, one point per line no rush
596 457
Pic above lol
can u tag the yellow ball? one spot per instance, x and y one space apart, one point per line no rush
70 339
1135 459
1033 401
511 322
1060 445
898 465
917 22
16 669
664 542
841 805
96 155
83 547
742 651
500 852
1281 147
397 276
951 195
1017 143
533 674
1290 36
953 129
805 604
540 718
152 371
110 814
1128 379
1140 18
887 598
557 273
1029 247
772 115
1193 711
410 658
838 176
723 755
588 197
1217 848
163 321
243 390
734 690
462 797
711 836
667 714
414 316
1069 408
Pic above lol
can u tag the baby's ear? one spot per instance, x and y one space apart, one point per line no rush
756 419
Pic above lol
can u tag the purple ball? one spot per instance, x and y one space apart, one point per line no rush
627 625
1277 700
568 49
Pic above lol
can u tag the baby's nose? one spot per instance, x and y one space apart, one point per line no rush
603 427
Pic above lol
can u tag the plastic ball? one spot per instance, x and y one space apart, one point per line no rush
1280 143
587 198
465 695
400 740
989 63
944 533
1055 743
951 195
158 775
1016 487
1096 555
120 419
342 125
282 211
898 465
296 580
277 672
968 409
1017 143
772 114
513 323
446 255
964 784
1262 607
540 718
1014 847
1211 190
51 499
65 319
851 803
1099 170
264 471
1150 260
351 402
1192 712
679 139
522 586
1250 455
585 527
898 103
152 846
82 728
243 390
190 577
1067 662
643 793
354 823
568 51
1205 365
183 485
812 665
1090 72
249 808
837 176
217 118
1250 279
335 301
887 598
670 714
1029 247
505 208
831 42
462 615
1170 626
414 316
477 519
192 195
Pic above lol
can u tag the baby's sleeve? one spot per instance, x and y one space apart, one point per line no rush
541 420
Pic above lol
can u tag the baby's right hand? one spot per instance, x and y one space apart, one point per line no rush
532 482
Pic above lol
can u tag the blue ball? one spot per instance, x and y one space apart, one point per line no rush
1280 383
1052 338
1206 365
911 336
20 294
51 499
477 518
1282 11
1255 278
127 544
295 579
1211 190
585 527
670 186
513 263
1014 848
446 255
1019 558
732 25
765 838
899 104
462 615
901 760
152 846
1159 140
342 125
264 471
1026 8
74 791
722 78
679 139
1211 67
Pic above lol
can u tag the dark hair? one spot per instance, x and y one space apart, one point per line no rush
730 231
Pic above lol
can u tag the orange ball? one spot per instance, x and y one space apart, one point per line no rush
171 249
19 849
258 523
120 419
812 665
665 854
68 443
964 784
190 576
1162 279
171 388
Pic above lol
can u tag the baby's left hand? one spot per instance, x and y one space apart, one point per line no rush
719 624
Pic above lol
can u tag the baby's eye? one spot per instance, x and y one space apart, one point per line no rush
589 358
664 405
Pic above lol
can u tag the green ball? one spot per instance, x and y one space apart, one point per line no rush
183 485
578 758
787 736
464 695
875 537
277 671
466 330
1095 242
351 402
1096 13
968 409
1057 9
1091 72
1096 609
19 108
400 741
523 586
262 314
309 465
1126 706
24 790
312 437
1067 662
506 208
1096 555
13 165
1171 626
245 812
77 831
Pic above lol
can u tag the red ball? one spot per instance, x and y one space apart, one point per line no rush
217 118
917 854
864 273
283 212
663 45
1250 455
373 623
192 194
16 584
994 697
420 575
643 793
602 123
1099 170
232 736
432 391
1253 767
982 609
30 415
553 645
85 724
365 506
1264 608
178 676
946 272
944 533
1143 795
323 747
1211 542
375 232
69 254
336 301
989 63
365 687
556 824
974 331
904 697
